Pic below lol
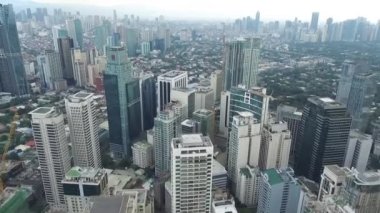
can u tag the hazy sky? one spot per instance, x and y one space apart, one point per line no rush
231 9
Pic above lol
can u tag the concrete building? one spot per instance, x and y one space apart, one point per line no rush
275 146
145 48
216 80
204 99
80 61
53 152
142 154
190 126
80 184
223 206
58 32
187 97
358 150
191 191
251 62
75 31
83 123
308 201
206 119
332 180
325 126
64 46
248 185
219 176
166 82
279 192
224 113
243 144
50 68
376 136
348 71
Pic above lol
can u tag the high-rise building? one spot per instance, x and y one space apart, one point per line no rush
348 71
332 180
186 96
279 191
12 70
323 136
314 21
148 99
75 31
376 136
132 36
248 185
50 68
191 188
145 48
358 150
83 123
275 146
53 152
257 22
360 98
142 154
80 61
123 101
224 117
65 45
167 125
206 119
204 99
216 80
243 144
58 32
168 81
190 126
251 62
80 184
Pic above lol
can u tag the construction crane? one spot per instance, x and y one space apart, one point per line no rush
12 133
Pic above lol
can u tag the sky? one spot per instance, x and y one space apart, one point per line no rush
227 9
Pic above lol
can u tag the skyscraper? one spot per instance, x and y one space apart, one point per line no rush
132 36
358 150
12 71
204 99
314 21
53 152
191 188
83 123
248 185
206 119
121 92
348 71
323 136
168 81
217 84
80 61
75 31
257 22
58 32
50 68
243 145
65 45
224 113
186 96
251 62
275 146
148 100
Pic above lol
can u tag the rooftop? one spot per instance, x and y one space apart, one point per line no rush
218 168
224 206
326 103
273 176
203 112
246 172
142 145
83 95
336 170
370 178
173 73
189 123
88 174
42 110
192 140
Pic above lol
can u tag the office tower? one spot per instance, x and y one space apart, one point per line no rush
168 81
148 99
243 144
84 130
279 192
142 154
348 71
189 126
219 176
123 105
251 54
132 36
50 68
314 21
323 136
275 146
75 31
191 188
224 113
216 80
254 100
80 184
186 96
358 150
248 185
65 45
376 136
257 22
53 152
204 99
206 119
233 63
332 180
359 103
12 70
80 61
93 73
145 48
58 32
100 33
167 125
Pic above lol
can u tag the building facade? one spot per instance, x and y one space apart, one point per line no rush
50 68
168 81
248 185
142 154
206 119
358 150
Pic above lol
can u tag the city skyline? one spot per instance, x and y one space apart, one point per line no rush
270 10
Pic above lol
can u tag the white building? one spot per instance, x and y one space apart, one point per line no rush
332 180
244 144
216 80
50 68
248 185
358 150
187 97
204 99
166 82
224 113
219 175
80 62
53 152
84 128
191 168
224 206
275 146
142 154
